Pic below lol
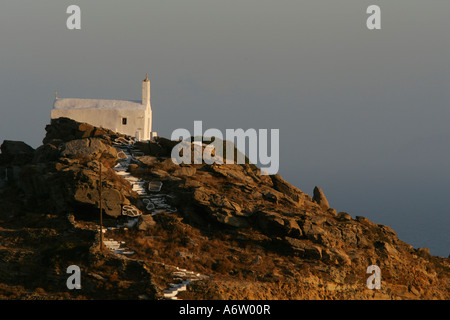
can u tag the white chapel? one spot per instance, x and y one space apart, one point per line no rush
133 118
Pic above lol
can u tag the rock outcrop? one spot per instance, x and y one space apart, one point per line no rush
320 199
63 174
15 148
232 223
15 153
64 129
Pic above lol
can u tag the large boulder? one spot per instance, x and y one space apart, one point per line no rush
112 199
283 186
320 199
65 129
89 148
15 148
303 249
70 186
15 152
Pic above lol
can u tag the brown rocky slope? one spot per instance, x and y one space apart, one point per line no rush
250 236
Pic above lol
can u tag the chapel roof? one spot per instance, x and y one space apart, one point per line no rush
101 104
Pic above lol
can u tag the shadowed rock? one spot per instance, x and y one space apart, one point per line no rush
15 153
320 199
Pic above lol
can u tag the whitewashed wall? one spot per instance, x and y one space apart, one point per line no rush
137 120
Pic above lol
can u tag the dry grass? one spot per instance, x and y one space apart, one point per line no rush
221 255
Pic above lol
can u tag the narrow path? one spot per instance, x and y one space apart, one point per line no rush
156 202
183 278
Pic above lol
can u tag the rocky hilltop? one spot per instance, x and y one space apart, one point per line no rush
184 231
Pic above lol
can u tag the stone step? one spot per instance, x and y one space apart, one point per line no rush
170 294
174 289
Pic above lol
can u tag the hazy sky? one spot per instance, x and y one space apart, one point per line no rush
363 114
